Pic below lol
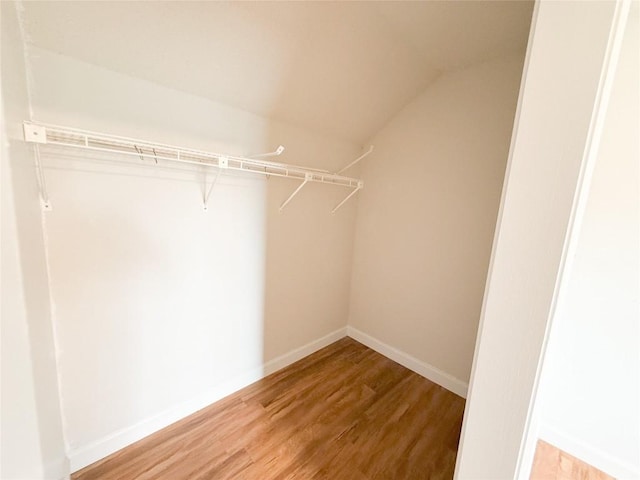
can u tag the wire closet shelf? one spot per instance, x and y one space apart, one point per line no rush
41 133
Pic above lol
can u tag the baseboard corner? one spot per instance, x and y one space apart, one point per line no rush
424 369
299 353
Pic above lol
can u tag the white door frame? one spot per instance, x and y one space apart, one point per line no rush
570 64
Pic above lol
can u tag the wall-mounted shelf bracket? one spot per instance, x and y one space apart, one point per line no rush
37 135
207 194
34 133
307 178
278 151
223 163
358 188
356 160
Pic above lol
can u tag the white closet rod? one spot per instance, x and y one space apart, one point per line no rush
41 133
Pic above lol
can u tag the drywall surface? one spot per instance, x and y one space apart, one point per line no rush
160 306
591 378
19 432
550 141
427 214
20 437
32 443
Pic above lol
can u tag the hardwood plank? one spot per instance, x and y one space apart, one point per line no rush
551 463
344 412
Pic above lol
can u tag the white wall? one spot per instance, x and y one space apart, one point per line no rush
161 307
591 379
31 433
427 214
19 435
550 146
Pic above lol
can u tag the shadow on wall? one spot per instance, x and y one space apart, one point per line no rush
308 249
159 303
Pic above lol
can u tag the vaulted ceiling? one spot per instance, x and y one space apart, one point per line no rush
341 68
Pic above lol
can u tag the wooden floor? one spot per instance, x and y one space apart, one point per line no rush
551 463
344 412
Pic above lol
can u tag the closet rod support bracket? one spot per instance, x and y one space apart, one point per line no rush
307 178
223 163
356 190
278 151
37 134
356 160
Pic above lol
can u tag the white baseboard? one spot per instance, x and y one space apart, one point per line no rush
421 368
301 352
87 454
588 453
